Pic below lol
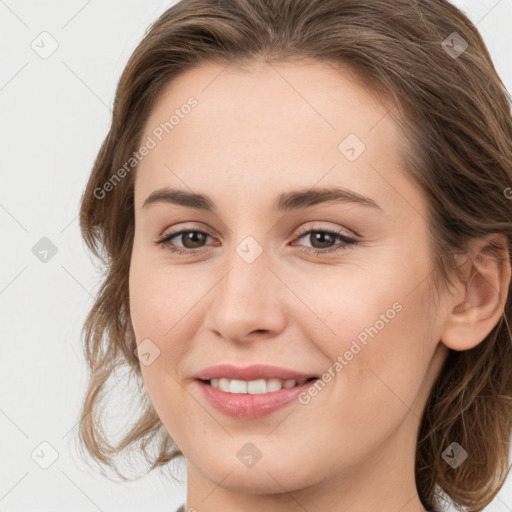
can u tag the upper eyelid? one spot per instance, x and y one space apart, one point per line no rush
338 231
300 234
185 229
301 230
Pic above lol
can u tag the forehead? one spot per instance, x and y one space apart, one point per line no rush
269 127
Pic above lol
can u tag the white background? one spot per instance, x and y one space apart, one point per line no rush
55 113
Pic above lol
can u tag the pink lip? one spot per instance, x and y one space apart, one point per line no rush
244 405
253 372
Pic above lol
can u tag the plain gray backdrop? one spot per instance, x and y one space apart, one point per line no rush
60 63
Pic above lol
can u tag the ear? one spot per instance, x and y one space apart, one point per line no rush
477 305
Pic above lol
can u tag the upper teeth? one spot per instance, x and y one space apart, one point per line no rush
253 387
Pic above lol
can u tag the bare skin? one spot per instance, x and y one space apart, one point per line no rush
253 136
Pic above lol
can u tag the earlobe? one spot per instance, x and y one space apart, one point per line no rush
484 291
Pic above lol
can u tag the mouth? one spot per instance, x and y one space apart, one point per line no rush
254 399
254 387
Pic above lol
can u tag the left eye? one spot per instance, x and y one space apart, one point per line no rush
322 241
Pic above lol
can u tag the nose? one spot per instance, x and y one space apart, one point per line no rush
248 303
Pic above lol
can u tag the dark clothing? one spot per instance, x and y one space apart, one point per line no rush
182 509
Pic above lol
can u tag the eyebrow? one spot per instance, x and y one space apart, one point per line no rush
288 201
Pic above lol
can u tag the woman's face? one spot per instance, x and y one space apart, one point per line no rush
264 278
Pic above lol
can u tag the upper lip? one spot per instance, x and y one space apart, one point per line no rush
253 372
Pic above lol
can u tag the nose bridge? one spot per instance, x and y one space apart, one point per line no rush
247 298
248 278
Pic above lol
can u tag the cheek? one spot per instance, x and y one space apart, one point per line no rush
151 314
160 295
157 303
354 304
378 335
166 308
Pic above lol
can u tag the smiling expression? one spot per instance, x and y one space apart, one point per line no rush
274 224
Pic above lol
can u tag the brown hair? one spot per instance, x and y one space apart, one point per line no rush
460 153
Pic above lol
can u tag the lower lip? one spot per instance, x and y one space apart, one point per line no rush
245 405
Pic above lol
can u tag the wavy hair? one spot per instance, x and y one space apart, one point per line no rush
454 112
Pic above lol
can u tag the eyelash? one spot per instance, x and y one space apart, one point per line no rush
348 242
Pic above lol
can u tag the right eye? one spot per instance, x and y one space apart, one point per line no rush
191 240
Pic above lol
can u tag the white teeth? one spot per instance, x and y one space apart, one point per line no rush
256 387
253 387
237 386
